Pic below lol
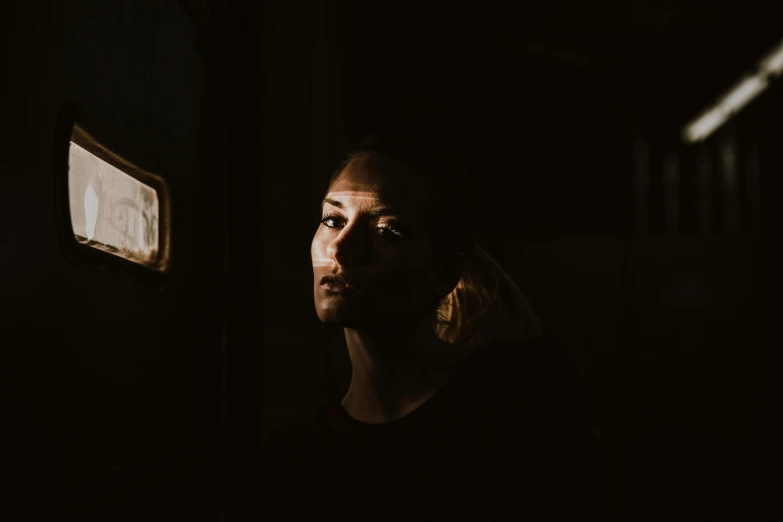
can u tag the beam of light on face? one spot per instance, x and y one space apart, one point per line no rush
351 203
352 199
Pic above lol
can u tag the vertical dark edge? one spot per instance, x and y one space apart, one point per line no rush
243 334
212 148
769 425
208 40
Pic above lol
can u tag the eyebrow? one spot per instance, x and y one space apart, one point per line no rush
375 212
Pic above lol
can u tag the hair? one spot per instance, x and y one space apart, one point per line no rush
486 304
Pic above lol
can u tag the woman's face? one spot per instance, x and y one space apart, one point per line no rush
376 236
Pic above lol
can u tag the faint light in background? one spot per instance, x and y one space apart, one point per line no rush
748 89
736 98
705 125
773 62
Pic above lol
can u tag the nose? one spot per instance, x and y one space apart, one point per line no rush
347 249
341 258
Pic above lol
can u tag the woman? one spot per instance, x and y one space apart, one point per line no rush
456 409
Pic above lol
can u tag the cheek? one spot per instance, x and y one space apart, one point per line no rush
409 279
318 251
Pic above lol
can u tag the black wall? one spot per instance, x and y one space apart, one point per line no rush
124 400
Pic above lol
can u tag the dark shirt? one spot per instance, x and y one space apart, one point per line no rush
505 439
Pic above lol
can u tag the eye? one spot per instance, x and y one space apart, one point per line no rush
332 221
390 232
387 230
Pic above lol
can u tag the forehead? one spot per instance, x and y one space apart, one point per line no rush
368 182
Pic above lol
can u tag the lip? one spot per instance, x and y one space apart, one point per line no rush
336 284
337 289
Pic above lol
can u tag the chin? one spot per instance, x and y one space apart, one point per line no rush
360 322
337 315
348 317
342 322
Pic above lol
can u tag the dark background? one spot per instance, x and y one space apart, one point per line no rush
127 399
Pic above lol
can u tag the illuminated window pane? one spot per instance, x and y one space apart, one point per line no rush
111 210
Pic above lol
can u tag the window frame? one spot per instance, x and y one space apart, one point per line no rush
74 125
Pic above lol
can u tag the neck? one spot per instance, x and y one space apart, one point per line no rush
394 372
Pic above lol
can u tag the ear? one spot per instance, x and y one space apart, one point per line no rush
449 273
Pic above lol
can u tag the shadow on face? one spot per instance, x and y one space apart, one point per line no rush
376 234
